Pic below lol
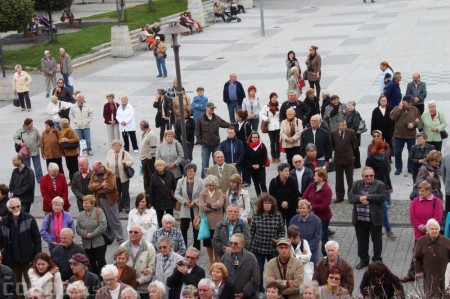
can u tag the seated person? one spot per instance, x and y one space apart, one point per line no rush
197 23
146 35
218 11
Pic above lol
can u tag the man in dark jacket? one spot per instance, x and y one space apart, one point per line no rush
233 149
80 181
233 94
7 281
367 196
302 111
20 240
393 92
61 254
303 175
22 183
187 272
320 138
418 91
207 132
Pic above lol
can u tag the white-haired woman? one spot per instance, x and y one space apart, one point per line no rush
433 123
156 290
127 124
116 159
54 222
21 87
174 234
165 262
77 290
171 152
112 286
58 109
432 254
35 293
293 80
310 290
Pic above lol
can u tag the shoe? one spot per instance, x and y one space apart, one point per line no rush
136 151
391 235
278 160
337 200
23 109
47 95
165 76
159 76
330 233
397 172
407 278
405 174
361 265
273 160
29 110
90 153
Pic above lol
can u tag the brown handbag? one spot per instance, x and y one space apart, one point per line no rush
196 222
265 125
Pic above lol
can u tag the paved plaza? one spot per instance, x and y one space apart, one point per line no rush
353 37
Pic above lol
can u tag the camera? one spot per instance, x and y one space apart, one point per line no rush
183 263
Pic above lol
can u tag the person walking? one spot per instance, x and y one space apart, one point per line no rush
159 51
48 65
21 87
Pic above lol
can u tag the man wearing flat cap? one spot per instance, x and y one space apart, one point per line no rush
48 64
79 263
285 270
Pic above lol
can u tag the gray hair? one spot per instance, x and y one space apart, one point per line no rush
35 290
240 237
110 269
211 180
116 141
58 199
53 166
422 134
432 102
332 243
17 66
353 103
190 290
293 69
424 184
130 290
168 218
365 168
326 93
78 285
8 203
310 146
165 239
193 249
83 159
67 230
158 285
291 91
144 124
311 285
208 282
432 222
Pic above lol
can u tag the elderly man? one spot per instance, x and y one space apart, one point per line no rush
54 184
129 293
407 120
418 91
186 273
333 258
320 138
147 152
233 95
242 267
142 259
103 185
8 281
22 183
302 111
61 254
81 115
65 65
303 175
35 293
80 181
228 227
159 51
206 289
222 171
172 232
393 92
20 241
367 196
48 65
113 287
285 270
79 263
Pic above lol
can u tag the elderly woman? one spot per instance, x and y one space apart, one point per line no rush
161 190
433 123
127 274
77 290
171 152
237 195
314 68
310 290
63 93
431 256
156 290
190 292
418 153
21 87
54 222
70 146
334 113
291 61
211 202
51 150
256 159
122 180
109 117
430 172
319 195
291 130
252 105
144 215
219 275
172 232
310 226
127 124
57 110
311 160
293 80
166 261
378 136
90 227
44 274
35 293
379 282
112 285
267 226
382 122
353 119
332 288
187 194
271 113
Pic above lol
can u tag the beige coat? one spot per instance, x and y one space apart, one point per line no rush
21 83
294 272
215 213
161 48
176 105
285 133
111 163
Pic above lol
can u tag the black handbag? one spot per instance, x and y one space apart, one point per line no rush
129 171
68 145
108 235
444 133
305 75
63 113
16 102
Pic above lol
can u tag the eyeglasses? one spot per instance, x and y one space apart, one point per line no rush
234 243
133 232
369 176
298 161
162 247
334 277
191 257
15 207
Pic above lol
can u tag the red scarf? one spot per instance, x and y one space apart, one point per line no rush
254 145
273 107
314 162
57 225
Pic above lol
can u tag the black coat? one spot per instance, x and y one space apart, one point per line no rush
302 111
61 256
323 143
307 178
381 169
160 192
176 280
7 283
22 184
288 192
376 197
370 288
253 157
240 92
3 209
65 95
165 104
353 119
190 130
325 103
228 291
313 105
244 132
382 123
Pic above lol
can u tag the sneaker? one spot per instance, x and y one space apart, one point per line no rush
391 235
90 153
136 151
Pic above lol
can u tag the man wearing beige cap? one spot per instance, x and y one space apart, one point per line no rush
285 270
48 64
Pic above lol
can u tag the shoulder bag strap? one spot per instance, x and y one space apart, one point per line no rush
123 155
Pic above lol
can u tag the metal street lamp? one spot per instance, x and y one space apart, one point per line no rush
175 29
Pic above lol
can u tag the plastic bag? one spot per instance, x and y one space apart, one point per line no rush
204 232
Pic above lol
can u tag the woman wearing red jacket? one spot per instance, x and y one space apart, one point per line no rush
54 184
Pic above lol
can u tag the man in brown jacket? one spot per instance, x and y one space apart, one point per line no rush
159 50
103 185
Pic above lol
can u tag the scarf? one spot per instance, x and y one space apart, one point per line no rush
57 225
314 162
141 211
379 157
233 195
273 107
335 110
254 145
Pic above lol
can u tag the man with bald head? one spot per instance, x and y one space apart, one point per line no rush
418 91
62 253
81 115
80 181
233 95
303 175
319 137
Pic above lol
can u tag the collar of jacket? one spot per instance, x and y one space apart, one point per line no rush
142 248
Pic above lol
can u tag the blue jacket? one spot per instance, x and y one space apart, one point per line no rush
47 232
233 150
393 94
311 231
199 106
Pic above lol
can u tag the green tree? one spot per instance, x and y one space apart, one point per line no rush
14 15
50 6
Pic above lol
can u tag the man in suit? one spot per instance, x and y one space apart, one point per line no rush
222 171
343 142
320 138
303 175
418 91
367 196
233 94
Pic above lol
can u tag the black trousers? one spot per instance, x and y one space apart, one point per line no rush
96 258
356 153
148 168
126 143
340 170
57 161
72 165
184 227
437 144
291 152
259 179
124 195
363 230
317 84
160 214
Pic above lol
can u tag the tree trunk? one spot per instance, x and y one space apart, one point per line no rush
52 35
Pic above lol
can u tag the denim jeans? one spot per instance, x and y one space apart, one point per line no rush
232 107
274 137
161 66
36 165
261 258
399 145
86 135
66 82
254 123
206 153
386 223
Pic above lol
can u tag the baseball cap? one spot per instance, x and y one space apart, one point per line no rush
157 37
211 105
46 51
285 241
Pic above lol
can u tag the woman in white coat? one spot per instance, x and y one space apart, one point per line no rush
271 113
237 195
45 275
300 249
21 87
144 215
127 124
54 108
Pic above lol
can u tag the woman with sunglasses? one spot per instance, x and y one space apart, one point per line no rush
383 123
63 93
332 289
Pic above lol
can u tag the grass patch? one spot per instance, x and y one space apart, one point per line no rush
81 42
